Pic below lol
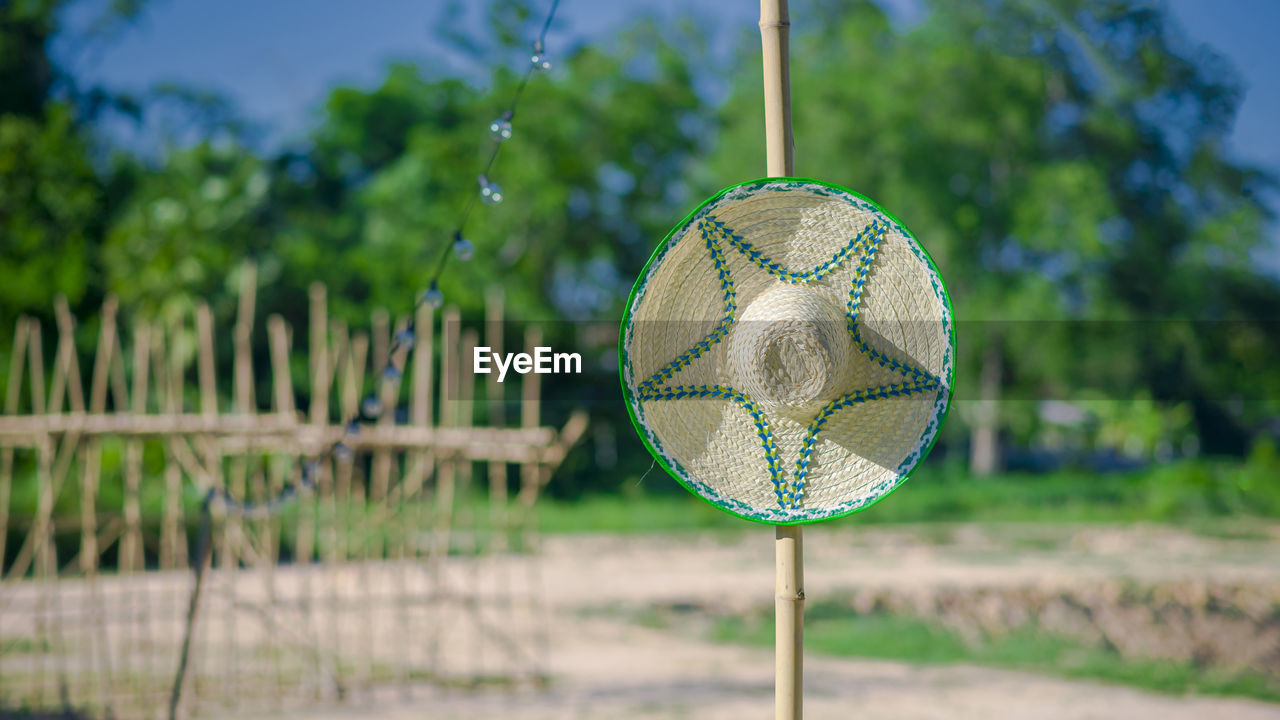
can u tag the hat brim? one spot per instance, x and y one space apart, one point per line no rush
672 418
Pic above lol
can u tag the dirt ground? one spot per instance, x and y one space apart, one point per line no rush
603 665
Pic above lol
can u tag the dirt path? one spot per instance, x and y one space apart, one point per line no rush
610 671
605 667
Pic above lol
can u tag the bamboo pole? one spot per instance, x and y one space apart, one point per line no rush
445 478
92 612
466 505
775 25
131 544
419 461
282 382
493 328
13 391
421 465
530 479
309 515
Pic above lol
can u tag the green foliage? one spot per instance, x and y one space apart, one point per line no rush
1062 161
1034 151
50 213
157 255
1200 489
832 629
1201 495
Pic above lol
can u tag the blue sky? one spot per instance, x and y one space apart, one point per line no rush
276 59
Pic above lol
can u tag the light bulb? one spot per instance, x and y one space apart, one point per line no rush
391 373
433 296
463 249
405 338
343 452
500 129
490 192
540 62
371 407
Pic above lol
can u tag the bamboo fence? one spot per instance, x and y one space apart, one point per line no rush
397 570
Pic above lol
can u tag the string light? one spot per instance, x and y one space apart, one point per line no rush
371 407
500 129
433 297
490 192
463 249
405 338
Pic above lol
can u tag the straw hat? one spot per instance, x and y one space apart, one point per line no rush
787 351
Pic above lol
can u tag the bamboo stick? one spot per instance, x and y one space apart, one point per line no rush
91 612
775 24
242 333
269 485
243 404
530 416
13 391
309 515
169 397
131 544
497 412
264 431
282 380
348 399
466 510
387 392
419 509
789 612
35 361
321 373
450 416
420 402
264 487
169 359
445 479
530 480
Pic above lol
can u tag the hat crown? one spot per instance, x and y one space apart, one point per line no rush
790 349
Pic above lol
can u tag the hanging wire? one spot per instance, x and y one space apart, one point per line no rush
499 130
389 379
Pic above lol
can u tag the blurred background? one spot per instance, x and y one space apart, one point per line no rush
1095 180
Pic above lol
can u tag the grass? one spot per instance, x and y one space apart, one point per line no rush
1220 498
834 631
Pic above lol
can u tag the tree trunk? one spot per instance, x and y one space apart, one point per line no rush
984 451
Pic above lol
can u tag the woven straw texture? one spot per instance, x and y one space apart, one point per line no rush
787 352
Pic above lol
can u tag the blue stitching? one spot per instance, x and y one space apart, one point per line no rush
854 308
789 495
775 269
720 392
883 392
730 313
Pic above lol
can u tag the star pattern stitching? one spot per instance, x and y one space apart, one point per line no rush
790 494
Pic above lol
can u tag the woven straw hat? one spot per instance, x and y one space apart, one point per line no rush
786 353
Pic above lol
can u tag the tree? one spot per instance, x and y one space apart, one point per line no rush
1032 149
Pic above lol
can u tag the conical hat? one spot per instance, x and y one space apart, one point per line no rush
786 353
